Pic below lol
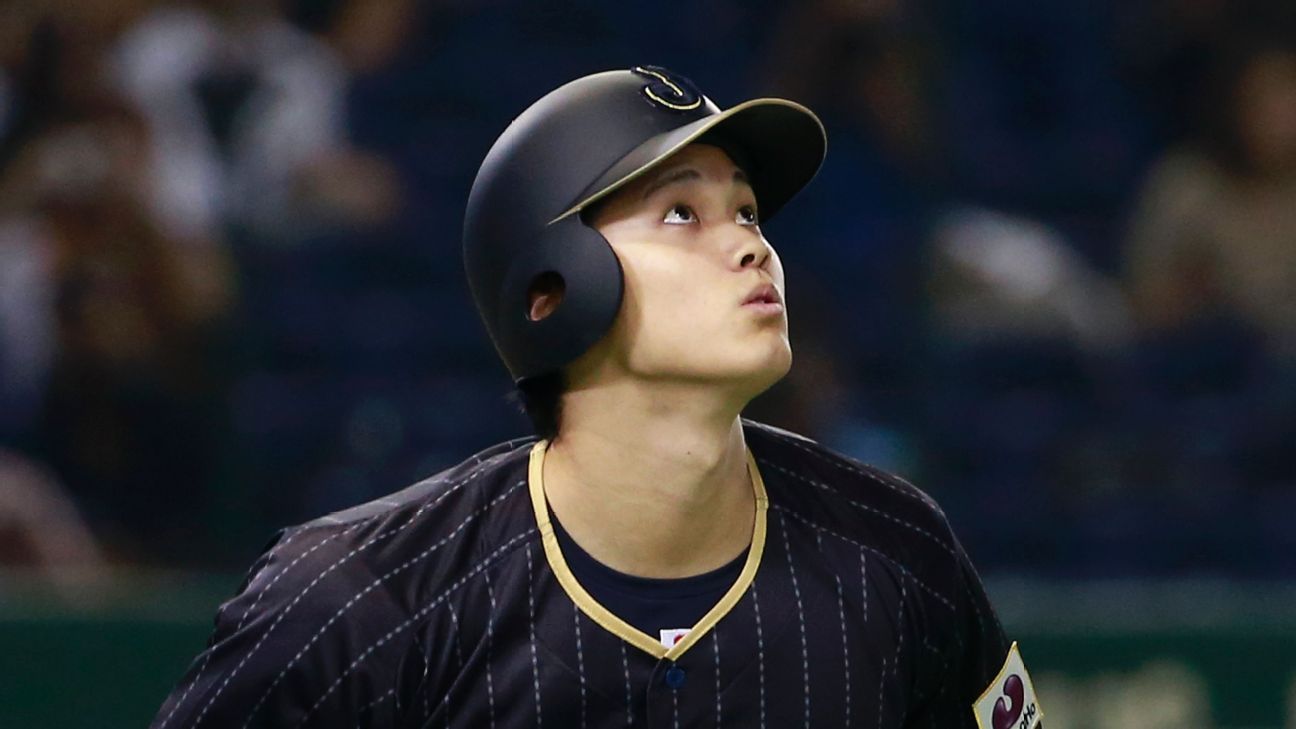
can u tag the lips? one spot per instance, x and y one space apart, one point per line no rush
763 294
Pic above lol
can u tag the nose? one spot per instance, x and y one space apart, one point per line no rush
751 252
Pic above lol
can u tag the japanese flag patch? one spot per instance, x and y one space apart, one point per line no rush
671 636
1009 701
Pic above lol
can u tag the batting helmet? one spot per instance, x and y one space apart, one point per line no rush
573 147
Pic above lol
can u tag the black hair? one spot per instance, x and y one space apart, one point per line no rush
540 398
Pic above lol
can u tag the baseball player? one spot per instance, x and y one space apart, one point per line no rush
651 559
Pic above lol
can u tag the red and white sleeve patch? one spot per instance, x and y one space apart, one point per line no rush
1009 701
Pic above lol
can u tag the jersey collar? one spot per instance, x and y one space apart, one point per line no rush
606 618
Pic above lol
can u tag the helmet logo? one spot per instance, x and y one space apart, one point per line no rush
668 90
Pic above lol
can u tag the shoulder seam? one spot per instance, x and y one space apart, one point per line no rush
889 481
864 507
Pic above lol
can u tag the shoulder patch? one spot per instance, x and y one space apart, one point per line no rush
1009 701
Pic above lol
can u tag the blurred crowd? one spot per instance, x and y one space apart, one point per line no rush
1048 271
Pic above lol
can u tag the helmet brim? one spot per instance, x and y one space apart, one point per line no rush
782 145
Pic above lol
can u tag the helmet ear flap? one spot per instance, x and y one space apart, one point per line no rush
592 279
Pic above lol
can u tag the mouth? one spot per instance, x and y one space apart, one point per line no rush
765 301
763 295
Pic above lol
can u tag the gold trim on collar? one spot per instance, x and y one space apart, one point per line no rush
606 618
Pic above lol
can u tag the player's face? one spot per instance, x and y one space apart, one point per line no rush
704 292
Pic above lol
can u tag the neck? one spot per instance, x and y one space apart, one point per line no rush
650 479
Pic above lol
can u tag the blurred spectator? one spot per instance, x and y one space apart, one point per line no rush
52 61
1021 326
1213 236
125 319
248 116
115 287
26 322
42 531
987 354
1210 268
996 276
1168 49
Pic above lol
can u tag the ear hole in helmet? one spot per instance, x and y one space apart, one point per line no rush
545 294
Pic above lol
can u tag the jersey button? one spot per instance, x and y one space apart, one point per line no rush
675 677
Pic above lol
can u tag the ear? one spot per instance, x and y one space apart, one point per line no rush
545 294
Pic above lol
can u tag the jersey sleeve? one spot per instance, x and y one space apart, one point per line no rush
969 681
300 644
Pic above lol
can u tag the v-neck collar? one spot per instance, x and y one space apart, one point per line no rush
609 620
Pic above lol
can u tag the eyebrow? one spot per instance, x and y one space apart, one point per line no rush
685 174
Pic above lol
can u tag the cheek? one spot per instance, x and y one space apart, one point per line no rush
672 303
663 287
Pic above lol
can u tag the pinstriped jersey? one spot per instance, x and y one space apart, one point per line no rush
450 604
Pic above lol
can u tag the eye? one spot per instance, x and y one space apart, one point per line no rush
680 214
746 215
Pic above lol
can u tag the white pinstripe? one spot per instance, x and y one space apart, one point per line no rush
900 628
201 667
288 540
881 685
841 611
490 646
675 704
452 489
423 682
900 566
535 666
900 631
796 591
760 652
387 695
454 620
715 650
477 569
260 594
911 492
864 584
354 599
580 662
265 590
861 505
625 666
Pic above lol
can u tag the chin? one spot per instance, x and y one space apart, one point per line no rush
762 374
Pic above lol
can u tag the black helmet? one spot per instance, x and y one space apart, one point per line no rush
571 148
